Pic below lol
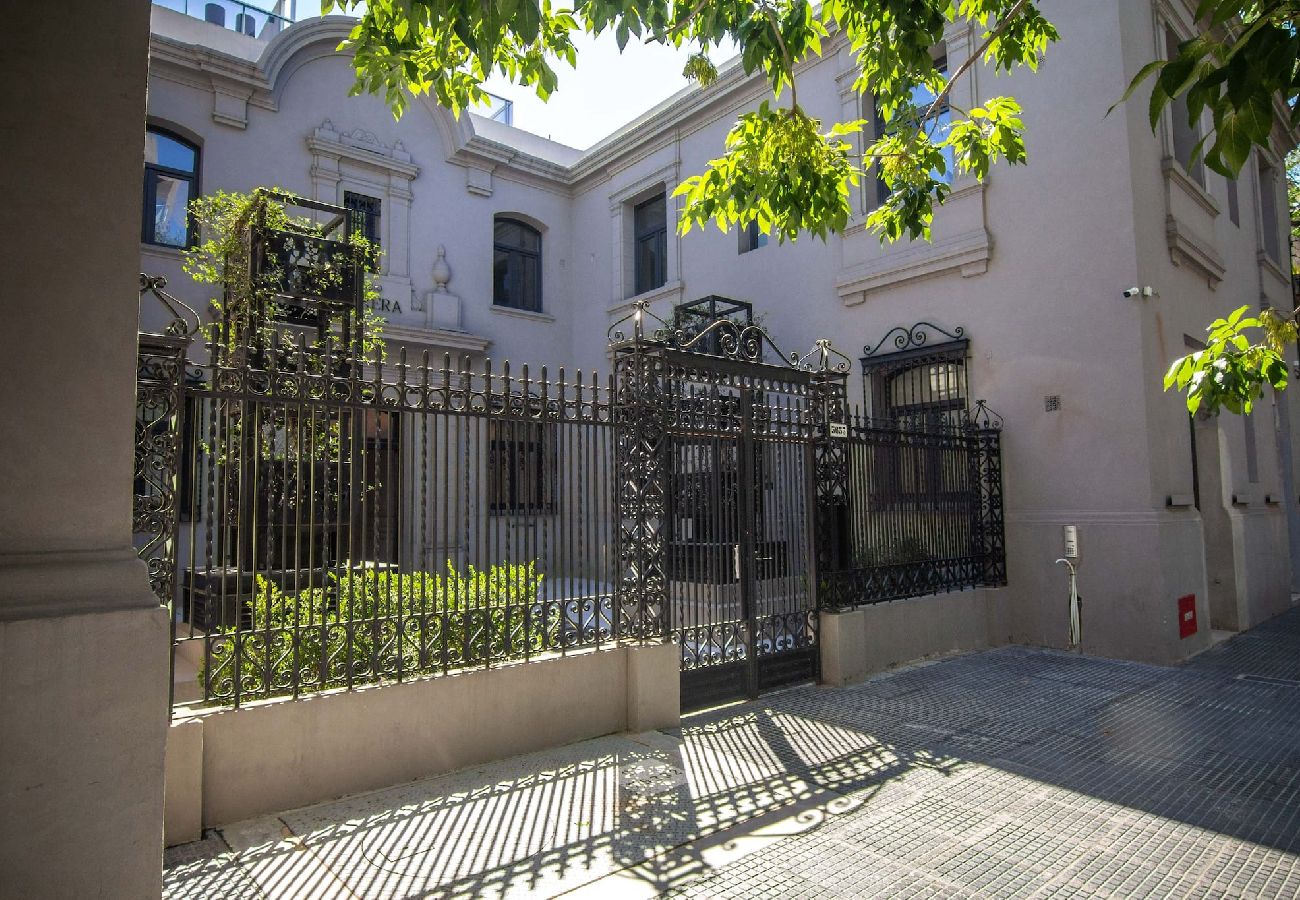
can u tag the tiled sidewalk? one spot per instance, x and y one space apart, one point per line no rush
1012 773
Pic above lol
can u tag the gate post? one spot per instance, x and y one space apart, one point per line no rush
159 414
640 415
830 482
986 430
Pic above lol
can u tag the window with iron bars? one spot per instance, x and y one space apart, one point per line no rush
925 398
521 467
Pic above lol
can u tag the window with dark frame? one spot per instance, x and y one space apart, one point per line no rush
517 265
365 215
925 393
751 238
521 467
650 243
1187 135
922 98
1271 236
171 181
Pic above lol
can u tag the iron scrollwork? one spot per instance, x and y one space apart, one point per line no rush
905 338
160 377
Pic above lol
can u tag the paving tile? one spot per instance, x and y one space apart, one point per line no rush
1011 773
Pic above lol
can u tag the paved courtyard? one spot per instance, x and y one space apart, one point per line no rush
1011 773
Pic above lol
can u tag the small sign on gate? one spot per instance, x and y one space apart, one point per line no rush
839 430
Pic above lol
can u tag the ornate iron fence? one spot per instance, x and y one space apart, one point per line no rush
922 511
318 518
350 524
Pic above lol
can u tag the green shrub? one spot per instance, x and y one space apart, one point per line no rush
370 624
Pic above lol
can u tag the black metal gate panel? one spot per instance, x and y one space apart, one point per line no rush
722 461
741 603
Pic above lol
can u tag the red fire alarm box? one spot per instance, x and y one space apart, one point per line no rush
1187 616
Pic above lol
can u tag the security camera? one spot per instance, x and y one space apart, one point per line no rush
1139 291
1132 292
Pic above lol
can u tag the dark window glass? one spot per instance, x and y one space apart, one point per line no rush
521 467
650 233
928 397
751 238
1269 220
1186 134
365 215
517 266
937 124
171 167
1234 202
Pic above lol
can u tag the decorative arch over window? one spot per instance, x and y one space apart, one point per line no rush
516 265
171 181
917 376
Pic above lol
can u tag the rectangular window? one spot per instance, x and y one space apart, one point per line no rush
1268 218
517 265
1234 202
923 394
751 238
650 243
936 123
365 215
1186 134
521 467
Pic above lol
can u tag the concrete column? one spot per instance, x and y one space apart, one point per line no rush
83 643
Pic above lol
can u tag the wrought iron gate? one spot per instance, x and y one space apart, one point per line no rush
317 518
719 497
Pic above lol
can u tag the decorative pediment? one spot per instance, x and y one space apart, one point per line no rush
361 146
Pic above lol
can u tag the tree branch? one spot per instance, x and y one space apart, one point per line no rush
974 57
785 54
681 26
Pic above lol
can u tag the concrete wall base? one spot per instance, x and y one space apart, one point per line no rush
83 711
230 764
861 642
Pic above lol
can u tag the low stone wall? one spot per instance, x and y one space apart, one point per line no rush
861 642
224 765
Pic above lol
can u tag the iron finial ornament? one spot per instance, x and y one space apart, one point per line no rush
905 338
185 319
983 417
721 327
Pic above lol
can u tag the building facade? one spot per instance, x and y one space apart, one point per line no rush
498 243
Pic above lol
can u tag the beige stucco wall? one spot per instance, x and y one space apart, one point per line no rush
227 765
83 643
862 642
1032 263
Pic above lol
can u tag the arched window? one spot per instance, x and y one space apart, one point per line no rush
517 265
171 181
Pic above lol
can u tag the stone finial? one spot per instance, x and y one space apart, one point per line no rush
441 271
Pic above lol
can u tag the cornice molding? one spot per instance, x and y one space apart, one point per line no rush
968 253
1185 247
68 583
362 147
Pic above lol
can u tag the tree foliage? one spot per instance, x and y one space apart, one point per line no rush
792 174
1243 354
1244 67
780 166
1241 66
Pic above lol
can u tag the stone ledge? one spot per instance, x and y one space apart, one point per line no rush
269 755
69 583
968 253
